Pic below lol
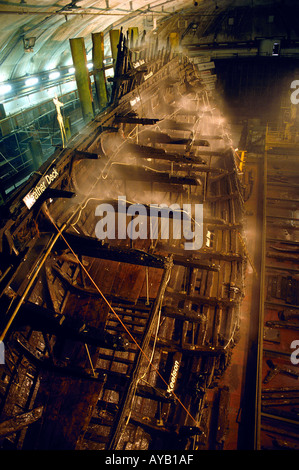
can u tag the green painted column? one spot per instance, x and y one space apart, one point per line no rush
98 67
133 36
82 77
114 40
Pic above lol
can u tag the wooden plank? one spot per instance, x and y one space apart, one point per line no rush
16 423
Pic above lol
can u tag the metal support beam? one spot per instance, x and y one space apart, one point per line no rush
82 77
98 67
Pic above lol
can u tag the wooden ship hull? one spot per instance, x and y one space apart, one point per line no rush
115 344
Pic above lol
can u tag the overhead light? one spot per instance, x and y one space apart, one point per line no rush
72 70
31 81
5 88
54 75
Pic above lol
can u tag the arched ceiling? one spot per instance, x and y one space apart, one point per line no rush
52 24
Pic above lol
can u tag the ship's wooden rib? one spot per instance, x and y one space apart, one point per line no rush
90 246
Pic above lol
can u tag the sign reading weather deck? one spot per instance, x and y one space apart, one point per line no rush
33 195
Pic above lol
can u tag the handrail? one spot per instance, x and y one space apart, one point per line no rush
258 396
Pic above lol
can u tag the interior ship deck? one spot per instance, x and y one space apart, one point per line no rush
134 342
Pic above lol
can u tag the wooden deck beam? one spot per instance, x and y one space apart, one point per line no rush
21 421
91 246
